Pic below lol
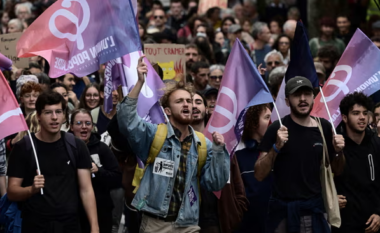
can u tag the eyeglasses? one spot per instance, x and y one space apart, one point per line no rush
284 43
86 123
158 16
273 63
216 77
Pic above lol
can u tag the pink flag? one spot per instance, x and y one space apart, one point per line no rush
76 36
357 70
11 118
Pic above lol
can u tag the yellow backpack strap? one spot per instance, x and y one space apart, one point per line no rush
202 152
155 148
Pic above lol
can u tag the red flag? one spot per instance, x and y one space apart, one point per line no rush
11 117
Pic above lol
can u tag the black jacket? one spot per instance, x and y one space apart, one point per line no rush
108 177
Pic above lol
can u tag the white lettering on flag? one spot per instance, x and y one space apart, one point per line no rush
6 115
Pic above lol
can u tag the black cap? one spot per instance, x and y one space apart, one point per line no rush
210 91
296 83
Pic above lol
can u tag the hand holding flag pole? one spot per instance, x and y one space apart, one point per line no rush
278 114
35 156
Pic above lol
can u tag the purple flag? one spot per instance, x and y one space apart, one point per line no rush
242 86
122 72
76 36
357 70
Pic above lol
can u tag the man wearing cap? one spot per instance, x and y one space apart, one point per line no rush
294 151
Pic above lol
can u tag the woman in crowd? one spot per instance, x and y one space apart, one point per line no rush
90 97
282 44
29 93
226 23
33 125
219 38
216 74
258 193
105 173
275 27
4 17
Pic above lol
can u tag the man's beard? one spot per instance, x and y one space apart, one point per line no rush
183 121
200 119
300 114
189 63
352 127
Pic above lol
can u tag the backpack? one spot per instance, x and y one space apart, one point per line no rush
158 142
69 143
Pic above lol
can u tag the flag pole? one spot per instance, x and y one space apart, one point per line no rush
278 114
35 156
328 112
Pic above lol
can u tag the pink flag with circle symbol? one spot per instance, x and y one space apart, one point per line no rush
76 36
11 118
357 70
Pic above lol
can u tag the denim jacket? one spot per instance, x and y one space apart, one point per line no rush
155 191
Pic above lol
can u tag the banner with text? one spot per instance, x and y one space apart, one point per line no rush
8 49
170 57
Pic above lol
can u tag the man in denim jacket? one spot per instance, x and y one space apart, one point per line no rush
169 194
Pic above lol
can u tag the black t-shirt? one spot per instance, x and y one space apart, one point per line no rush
102 123
359 183
297 167
61 195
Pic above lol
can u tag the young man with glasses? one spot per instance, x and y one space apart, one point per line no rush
200 72
65 172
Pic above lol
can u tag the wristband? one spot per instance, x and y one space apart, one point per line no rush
275 148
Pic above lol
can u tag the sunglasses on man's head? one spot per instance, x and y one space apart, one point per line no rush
216 77
273 62
158 16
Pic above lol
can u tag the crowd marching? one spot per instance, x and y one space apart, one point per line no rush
265 131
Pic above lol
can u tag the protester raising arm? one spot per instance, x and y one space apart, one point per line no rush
139 133
266 160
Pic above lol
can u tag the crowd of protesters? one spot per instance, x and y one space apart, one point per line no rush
88 156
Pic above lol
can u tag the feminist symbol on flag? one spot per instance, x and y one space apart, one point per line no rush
74 19
342 86
225 112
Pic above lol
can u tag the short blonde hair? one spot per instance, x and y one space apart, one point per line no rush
171 88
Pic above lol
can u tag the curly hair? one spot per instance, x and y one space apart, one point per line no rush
252 120
29 87
171 88
350 100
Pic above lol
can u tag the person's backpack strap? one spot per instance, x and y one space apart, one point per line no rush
202 152
70 143
155 148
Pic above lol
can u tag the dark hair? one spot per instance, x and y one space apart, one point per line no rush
351 99
377 105
29 21
56 85
82 101
252 120
157 2
211 11
43 78
279 20
62 78
327 21
192 20
176 1
328 51
230 18
49 98
75 112
204 48
199 65
375 39
202 96
277 42
34 65
145 33
191 46
342 15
